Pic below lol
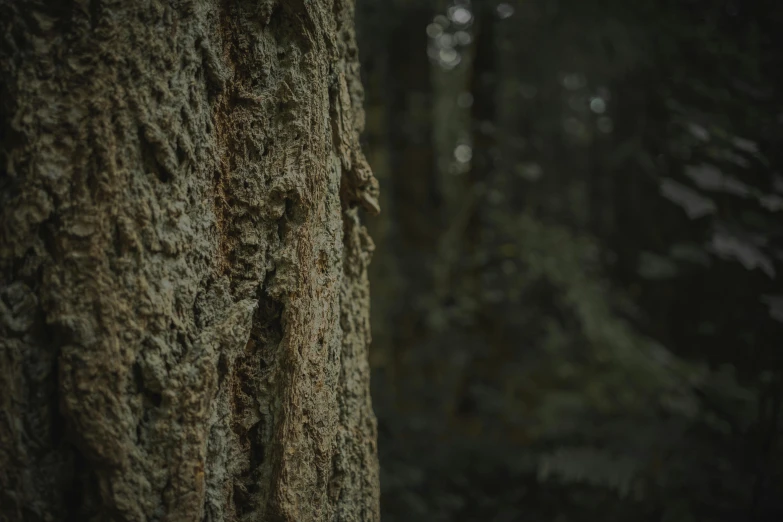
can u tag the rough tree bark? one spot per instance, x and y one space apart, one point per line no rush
183 290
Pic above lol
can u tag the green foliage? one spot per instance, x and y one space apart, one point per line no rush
593 327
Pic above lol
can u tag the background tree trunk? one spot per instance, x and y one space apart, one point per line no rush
183 290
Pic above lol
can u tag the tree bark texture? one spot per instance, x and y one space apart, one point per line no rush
183 293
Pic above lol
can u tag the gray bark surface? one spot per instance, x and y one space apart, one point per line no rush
184 306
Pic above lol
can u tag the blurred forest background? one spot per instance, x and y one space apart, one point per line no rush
577 309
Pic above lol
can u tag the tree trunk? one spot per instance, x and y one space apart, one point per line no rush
183 291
